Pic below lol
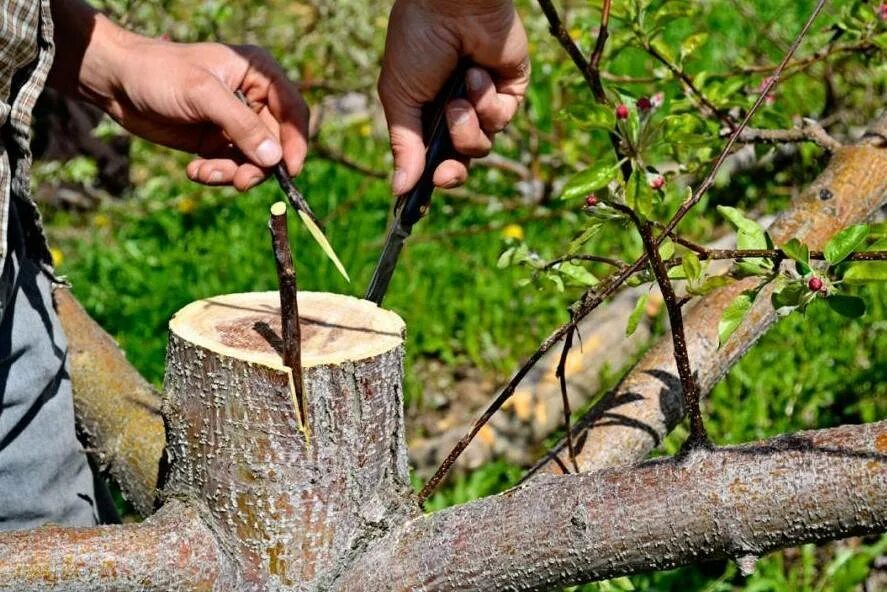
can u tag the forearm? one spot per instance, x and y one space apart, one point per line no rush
88 48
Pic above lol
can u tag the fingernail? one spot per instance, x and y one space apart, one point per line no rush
398 182
269 153
474 80
215 177
452 183
254 181
458 116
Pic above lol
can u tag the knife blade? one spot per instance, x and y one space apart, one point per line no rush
413 205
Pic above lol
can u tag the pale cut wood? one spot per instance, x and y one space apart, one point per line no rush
291 503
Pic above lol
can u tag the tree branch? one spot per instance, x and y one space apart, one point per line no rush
722 503
633 418
117 410
809 131
172 550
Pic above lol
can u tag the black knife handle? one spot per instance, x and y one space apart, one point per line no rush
438 147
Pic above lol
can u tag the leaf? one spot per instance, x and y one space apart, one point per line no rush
868 271
849 306
692 267
797 251
666 249
587 234
739 221
577 273
709 285
638 194
692 43
749 235
589 180
734 314
789 297
635 317
844 243
592 115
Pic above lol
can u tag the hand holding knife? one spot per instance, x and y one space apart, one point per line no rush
413 205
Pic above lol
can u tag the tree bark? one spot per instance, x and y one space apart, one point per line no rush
634 418
172 550
118 411
291 502
557 531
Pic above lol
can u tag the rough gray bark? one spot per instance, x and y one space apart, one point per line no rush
634 418
172 550
561 530
258 500
290 502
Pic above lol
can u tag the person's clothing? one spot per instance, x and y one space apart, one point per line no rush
44 474
26 52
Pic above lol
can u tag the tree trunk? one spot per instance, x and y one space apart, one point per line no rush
292 498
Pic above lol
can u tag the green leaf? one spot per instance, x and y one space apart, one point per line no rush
749 235
635 317
709 285
638 194
740 222
797 251
734 315
592 115
844 243
589 180
692 267
666 249
789 297
868 271
587 234
692 43
849 306
577 273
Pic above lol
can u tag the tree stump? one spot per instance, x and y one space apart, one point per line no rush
292 498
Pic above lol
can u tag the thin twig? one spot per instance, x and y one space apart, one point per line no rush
593 298
809 131
593 258
561 374
688 82
289 305
766 88
775 254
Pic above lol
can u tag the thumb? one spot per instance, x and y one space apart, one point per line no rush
214 102
407 146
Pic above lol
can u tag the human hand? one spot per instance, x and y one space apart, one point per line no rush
182 96
426 39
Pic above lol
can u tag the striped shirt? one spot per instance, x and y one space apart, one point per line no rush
26 52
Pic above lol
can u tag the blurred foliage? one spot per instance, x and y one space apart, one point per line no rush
133 263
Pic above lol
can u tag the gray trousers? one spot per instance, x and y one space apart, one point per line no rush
44 473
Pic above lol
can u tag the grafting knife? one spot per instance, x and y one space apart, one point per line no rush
411 206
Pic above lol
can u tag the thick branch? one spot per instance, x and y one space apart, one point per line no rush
117 410
172 550
558 531
632 419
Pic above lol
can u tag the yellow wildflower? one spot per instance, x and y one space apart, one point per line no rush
513 231
57 256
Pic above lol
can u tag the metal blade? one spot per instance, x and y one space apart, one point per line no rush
387 262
